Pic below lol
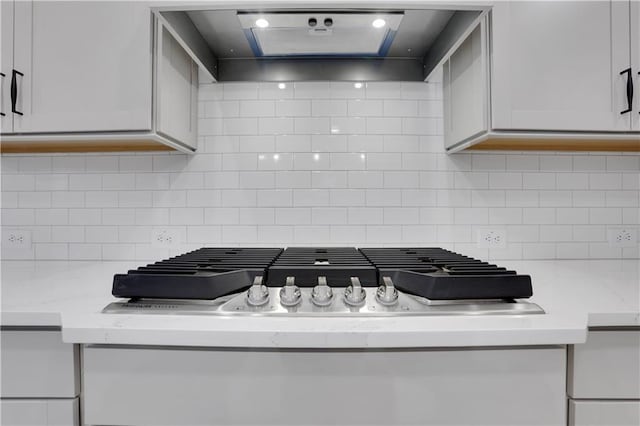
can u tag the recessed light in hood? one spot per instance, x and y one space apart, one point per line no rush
322 33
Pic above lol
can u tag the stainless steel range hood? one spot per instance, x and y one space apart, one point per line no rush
349 44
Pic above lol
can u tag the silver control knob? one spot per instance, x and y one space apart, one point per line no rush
258 293
354 295
387 294
322 295
290 294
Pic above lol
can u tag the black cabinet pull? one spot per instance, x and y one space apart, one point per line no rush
629 90
14 91
2 75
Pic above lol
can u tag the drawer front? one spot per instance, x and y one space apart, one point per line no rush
604 413
170 386
36 364
40 412
606 366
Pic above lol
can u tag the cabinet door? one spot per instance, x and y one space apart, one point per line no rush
464 82
556 65
635 59
40 412
86 65
6 58
177 89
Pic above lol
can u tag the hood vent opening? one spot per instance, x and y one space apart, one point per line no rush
320 33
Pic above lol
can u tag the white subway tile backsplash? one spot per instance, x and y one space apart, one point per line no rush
589 163
118 217
383 126
275 197
523 162
604 216
293 179
347 197
558 163
318 163
34 165
18 182
329 179
348 125
68 164
328 108
293 216
310 197
11 216
623 163
240 91
261 108
605 181
572 216
365 108
273 90
293 108
272 126
555 198
186 216
383 197
101 234
329 143
52 216
328 215
101 199
34 199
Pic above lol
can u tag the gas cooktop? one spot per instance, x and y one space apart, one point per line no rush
323 281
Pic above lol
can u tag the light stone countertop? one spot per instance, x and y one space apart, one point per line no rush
576 294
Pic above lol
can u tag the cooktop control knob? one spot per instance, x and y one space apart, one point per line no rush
387 294
290 294
354 295
322 295
258 293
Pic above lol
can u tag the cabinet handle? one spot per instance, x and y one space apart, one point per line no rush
2 86
14 91
629 90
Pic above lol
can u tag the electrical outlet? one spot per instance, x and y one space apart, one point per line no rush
492 238
622 237
16 240
165 237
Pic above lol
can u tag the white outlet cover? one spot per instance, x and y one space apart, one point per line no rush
16 241
491 238
165 237
622 237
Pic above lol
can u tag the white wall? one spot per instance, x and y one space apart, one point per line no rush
320 164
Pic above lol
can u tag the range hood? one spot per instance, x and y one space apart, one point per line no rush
307 44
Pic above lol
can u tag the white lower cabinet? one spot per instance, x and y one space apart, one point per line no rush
198 386
604 413
604 379
40 378
36 412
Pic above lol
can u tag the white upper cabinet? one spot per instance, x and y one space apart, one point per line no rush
558 76
68 52
465 82
177 80
92 76
557 65
6 58
635 60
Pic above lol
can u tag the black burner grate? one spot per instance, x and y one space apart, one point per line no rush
336 264
439 274
206 273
